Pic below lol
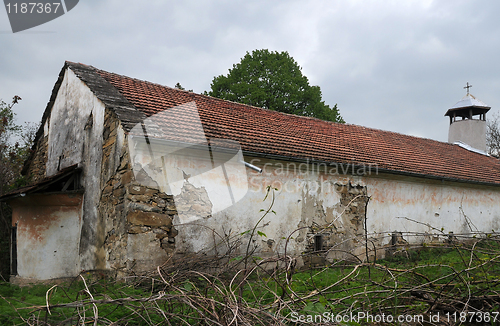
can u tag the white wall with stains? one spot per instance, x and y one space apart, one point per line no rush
431 206
310 196
218 198
304 196
48 233
75 133
72 108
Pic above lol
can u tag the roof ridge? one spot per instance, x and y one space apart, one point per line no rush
212 98
265 109
140 80
268 132
208 96
113 98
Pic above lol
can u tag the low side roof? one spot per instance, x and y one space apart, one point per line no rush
44 184
266 132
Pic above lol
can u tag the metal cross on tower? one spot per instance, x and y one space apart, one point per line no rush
468 86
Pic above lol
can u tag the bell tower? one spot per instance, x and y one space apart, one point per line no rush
468 121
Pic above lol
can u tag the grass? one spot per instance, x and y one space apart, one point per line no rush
427 280
20 305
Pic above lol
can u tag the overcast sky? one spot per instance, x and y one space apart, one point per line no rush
393 65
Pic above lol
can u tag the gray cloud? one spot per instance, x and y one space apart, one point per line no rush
393 65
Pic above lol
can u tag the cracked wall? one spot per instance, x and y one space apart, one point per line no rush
35 171
312 201
138 235
305 203
338 236
72 134
132 222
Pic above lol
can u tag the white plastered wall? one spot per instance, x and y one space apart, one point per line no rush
75 136
469 131
306 196
422 206
47 228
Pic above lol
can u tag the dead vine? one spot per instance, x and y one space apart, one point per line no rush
445 278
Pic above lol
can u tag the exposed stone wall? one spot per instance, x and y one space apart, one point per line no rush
149 225
343 237
193 203
113 149
36 169
138 233
138 224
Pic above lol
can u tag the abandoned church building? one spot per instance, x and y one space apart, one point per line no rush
126 173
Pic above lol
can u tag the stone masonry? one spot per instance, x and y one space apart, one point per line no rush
340 239
138 231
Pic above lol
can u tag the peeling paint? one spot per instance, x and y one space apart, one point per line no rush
48 228
194 203
146 199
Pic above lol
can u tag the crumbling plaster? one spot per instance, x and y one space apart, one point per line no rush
307 201
311 201
143 201
138 234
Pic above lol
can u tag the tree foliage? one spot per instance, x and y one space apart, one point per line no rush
8 157
179 86
493 135
15 145
273 80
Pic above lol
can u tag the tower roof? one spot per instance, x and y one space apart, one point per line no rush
468 102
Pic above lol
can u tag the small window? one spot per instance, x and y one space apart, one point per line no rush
318 242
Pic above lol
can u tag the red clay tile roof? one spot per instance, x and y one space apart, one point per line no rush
283 135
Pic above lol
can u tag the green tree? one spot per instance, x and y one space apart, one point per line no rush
15 145
7 128
493 135
179 86
273 80
8 159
